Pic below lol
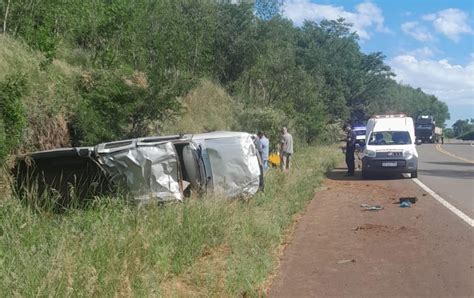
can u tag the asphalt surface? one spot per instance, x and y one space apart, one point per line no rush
338 249
449 171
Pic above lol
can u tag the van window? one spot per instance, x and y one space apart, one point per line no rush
390 138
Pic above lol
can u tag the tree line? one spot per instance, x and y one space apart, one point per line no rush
305 77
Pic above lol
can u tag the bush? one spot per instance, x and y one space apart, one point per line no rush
12 114
267 119
469 136
208 107
333 133
116 106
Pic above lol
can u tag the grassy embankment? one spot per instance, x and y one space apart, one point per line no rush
206 246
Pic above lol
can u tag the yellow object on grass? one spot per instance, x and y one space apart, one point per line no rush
274 159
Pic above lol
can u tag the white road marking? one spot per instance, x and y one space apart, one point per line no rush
445 203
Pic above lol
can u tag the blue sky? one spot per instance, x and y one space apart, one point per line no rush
428 44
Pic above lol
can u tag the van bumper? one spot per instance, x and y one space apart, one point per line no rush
389 165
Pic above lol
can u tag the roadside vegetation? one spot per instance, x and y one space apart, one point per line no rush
205 246
84 72
461 129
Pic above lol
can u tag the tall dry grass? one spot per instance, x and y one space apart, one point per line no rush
204 247
208 107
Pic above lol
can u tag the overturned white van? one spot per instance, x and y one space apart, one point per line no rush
390 146
165 168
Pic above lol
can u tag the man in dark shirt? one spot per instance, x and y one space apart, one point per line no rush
350 150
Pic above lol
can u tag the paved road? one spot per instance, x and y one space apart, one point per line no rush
449 171
338 249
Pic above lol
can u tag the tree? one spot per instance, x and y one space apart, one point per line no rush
461 127
267 9
115 106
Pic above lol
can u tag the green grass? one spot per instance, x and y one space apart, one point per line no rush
203 247
51 94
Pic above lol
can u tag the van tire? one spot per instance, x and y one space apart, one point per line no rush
414 174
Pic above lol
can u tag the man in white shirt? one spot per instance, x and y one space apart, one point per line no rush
286 149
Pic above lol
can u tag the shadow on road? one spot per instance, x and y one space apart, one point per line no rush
339 174
460 143
448 173
450 163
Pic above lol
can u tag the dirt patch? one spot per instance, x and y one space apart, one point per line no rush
379 228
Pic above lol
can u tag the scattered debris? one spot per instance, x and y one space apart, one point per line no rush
412 200
405 204
368 207
346 261
379 228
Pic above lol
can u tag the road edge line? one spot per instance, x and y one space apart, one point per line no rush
446 152
445 203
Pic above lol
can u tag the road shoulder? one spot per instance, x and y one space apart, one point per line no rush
340 250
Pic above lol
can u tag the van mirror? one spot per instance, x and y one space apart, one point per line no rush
418 142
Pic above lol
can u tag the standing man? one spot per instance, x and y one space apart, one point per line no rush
350 149
265 144
286 149
258 145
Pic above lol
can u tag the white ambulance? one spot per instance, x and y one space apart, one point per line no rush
390 146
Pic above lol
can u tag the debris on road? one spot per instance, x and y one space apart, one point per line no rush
405 204
379 228
368 207
412 200
346 261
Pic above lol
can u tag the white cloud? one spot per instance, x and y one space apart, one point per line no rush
451 22
429 17
417 31
366 16
453 84
423 53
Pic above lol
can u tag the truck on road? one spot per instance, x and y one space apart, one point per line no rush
425 128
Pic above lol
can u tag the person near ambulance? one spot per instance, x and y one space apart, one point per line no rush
350 149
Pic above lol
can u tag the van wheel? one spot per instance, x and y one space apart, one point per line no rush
414 174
